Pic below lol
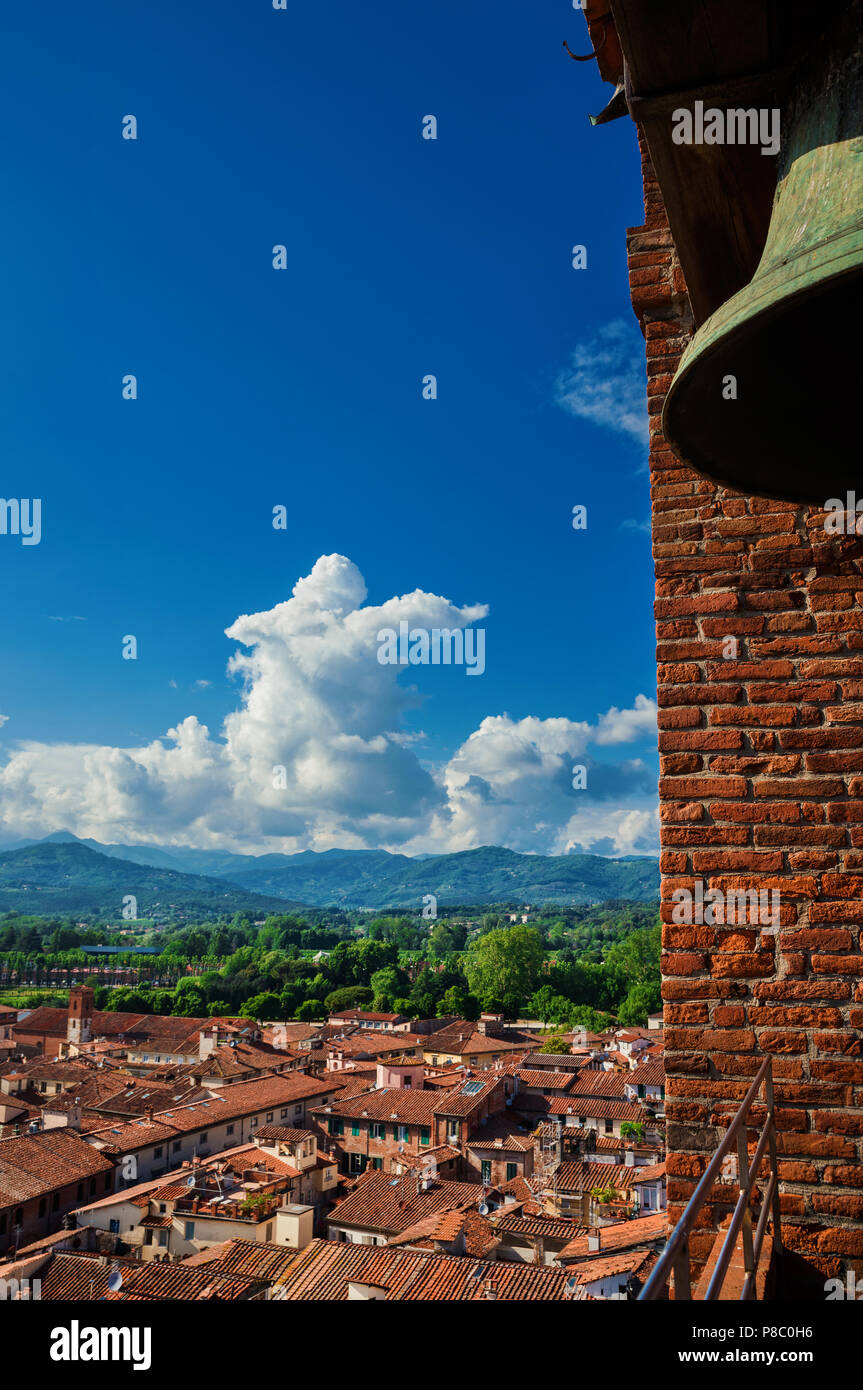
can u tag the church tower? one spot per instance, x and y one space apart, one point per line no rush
79 1019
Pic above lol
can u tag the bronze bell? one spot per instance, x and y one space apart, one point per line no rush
768 396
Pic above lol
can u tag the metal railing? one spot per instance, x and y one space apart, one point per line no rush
675 1257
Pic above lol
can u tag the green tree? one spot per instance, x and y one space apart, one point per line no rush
350 997
261 1006
311 1011
504 965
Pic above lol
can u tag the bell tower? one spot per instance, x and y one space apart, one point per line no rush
79 1019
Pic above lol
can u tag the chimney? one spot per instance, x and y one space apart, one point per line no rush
594 1240
489 1290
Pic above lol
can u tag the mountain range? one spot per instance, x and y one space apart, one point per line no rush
63 874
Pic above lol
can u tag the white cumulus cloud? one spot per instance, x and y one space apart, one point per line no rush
316 753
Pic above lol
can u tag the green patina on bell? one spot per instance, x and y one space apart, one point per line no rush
768 395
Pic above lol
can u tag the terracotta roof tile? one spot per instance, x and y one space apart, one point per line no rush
381 1202
323 1271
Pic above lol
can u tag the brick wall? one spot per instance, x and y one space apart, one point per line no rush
761 787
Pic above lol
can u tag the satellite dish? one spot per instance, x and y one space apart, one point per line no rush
483 1209
115 1280
190 1180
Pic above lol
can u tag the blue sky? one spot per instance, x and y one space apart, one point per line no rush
302 387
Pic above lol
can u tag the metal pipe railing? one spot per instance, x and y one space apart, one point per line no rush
675 1257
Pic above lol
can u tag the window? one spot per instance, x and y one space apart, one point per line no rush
357 1163
162 1238
230 1129
452 1130
485 1171
355 1129
163 1207
114 1226
175 1147
253 1122
157 1152
269 1117
425 1135
377 1130
609 1126
189 1230
298 1111
511 1171
377 1164
283 1114
108 1182
407 1083
335 1125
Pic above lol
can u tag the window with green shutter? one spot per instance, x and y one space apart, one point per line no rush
511 1171
355 1129
425 1136
486 1170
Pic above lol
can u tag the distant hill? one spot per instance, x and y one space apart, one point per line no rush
486 875
63 876
347 878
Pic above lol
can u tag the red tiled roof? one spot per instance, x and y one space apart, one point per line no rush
497 1134
600 1083
553 1227
472 1231
546 1080
324 1269
575 1176
650 1173
603 1267
596 1108
624 1235
650 1073
381 1202
284 1133
81 1276
38 1163
465 1041
254 1259
224 1103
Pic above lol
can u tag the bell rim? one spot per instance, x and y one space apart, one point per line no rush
792 280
